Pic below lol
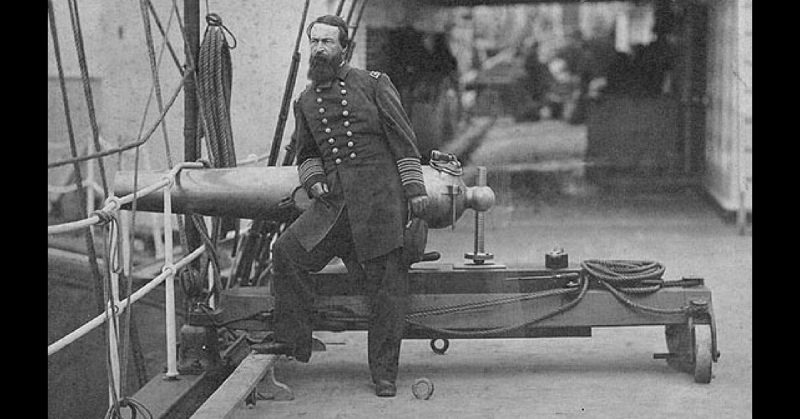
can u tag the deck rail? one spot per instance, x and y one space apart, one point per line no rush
116 306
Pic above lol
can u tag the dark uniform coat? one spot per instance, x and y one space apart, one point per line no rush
353 134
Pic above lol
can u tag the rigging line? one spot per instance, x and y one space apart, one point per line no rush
125 338
120 149
110 309
74 150
129 328
141 127
352 8
131 145
164 34
200 105
154 72
152 85
87 89
358 19
288 90
212 253
192 66
137 150
138 358
220 150
138 363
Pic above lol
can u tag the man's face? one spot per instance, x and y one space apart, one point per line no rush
324 39
326 52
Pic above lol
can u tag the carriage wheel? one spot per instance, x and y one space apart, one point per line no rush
702 353
690 347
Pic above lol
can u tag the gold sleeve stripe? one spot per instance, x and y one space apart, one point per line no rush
410 170
310 167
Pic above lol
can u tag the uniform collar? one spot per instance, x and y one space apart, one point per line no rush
340 75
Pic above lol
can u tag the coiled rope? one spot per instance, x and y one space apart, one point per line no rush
622 277
214 90
214 79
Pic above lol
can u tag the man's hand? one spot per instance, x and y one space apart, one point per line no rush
318 192
419 204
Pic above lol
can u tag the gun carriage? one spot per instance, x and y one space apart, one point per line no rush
477 299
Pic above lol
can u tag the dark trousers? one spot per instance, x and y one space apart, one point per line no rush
385 283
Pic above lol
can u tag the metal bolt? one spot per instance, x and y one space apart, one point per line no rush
479 256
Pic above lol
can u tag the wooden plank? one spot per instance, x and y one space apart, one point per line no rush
162 396
179 398
230 395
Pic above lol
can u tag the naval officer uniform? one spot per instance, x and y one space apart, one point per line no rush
352 134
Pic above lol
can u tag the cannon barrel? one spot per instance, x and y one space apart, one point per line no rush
258 191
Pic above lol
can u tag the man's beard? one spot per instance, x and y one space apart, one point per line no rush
323 68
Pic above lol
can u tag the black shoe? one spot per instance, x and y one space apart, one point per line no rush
384 388
275 348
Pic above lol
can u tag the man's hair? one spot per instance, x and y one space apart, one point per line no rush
332 20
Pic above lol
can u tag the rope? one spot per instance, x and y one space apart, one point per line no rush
622 277
190 272
465 307
214 90
154 73
74 151
211 248
87 88
164 35
110 252
156 85
131 145
498 331
214 80
619 277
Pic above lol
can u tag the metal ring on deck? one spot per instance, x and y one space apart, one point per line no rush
422 388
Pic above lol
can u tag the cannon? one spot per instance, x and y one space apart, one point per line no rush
254 192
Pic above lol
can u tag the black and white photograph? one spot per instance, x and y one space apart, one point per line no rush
479 209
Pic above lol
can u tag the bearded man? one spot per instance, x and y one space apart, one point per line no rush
358 160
